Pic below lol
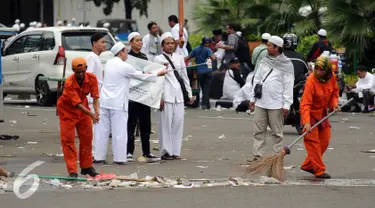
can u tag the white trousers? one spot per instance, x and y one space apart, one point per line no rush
171 127
117 121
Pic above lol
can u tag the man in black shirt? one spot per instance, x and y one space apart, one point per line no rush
138 111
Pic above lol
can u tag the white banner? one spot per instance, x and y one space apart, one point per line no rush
147 93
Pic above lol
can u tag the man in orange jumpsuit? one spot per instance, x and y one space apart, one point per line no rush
74 113
321 93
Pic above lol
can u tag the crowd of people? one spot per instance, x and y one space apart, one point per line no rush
262 82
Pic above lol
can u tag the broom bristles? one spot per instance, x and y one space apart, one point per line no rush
272 166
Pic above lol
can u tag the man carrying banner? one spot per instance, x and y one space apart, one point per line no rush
139 111
177 90
114 105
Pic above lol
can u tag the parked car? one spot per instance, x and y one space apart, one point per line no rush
120 27
41 52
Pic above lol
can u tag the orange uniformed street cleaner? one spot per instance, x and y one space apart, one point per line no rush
74 113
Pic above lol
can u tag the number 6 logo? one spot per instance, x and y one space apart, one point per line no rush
19 181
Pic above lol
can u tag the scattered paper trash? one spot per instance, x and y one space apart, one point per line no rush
354 127
268 180
202 167
289 167
331 148
13 121
345 119
156 149
368 151
142 159
300 149
221 136
55 182
32 142
27 106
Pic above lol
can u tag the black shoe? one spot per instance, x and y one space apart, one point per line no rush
324 176
119 163
73 175
89 171
308 170
103 162
166 156
151 158
255 159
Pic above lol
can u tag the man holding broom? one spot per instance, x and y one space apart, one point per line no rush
321 93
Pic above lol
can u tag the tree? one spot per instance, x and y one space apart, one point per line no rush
141 5
216 13
302 17
352 22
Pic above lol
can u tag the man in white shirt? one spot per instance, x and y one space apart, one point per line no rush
114 99
94 66
173 23
151 42
364 91
171 114
275 78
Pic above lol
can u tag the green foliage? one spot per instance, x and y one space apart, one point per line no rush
141 5
353 23
253 37
305 44
215 14
350 79
195 40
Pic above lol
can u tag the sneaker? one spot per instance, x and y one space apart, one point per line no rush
130 157
324 176
151 158
73 175
89 171
166 156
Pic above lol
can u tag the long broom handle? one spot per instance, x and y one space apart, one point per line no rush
317 124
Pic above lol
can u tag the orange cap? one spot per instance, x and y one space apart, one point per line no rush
79 63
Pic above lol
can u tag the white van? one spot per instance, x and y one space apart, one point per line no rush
41 52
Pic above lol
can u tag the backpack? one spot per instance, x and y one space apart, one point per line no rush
243 50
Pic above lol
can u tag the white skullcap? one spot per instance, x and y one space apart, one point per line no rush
276 40
17 21
59 22
39 25
106 24
73 19
34 23
117 48
69 25
166 35
266 36
132 35
322 32
22 25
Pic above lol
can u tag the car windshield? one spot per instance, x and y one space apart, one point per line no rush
81 41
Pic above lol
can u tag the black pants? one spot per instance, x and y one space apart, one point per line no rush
204 80
138 111
366 100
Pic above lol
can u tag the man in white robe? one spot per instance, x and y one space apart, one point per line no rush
172 108
114 99
94 66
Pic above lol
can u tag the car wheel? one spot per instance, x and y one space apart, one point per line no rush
44 96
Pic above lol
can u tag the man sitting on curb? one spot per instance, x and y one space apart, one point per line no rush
363 92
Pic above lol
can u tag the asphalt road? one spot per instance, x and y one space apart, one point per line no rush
217 142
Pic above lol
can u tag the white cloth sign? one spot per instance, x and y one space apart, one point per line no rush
147 93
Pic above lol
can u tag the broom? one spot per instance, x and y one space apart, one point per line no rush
274 166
